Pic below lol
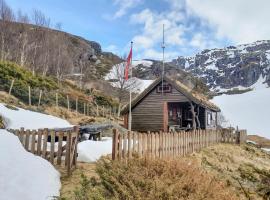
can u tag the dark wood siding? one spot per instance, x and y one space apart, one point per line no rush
148 113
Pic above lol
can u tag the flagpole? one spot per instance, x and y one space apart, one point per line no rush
130 96
163 49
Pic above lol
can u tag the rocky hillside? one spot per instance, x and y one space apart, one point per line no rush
53 52
230 67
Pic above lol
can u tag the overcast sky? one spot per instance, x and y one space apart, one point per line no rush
190 25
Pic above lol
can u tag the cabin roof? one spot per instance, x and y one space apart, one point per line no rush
180 87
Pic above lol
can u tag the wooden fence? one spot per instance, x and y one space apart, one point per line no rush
56 146
170 145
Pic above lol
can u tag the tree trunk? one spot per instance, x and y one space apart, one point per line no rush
119 110
193 115
197 117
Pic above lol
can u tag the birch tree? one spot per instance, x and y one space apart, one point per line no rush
116 77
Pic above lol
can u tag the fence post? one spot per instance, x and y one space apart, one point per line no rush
68 151
129 144
11 86
76 106
120 146
29 95
134 143
52 133
115 144
56 99
39 98
68 103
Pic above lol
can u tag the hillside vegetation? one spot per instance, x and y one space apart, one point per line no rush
49 86
245 169
222 171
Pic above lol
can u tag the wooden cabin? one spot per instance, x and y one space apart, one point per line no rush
170 106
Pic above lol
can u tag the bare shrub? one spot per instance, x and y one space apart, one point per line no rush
152 179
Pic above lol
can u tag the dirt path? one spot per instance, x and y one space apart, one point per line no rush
69 184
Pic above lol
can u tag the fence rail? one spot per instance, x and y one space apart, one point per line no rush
58 147
170 145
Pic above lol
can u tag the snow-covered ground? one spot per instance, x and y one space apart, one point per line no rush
267 150
15 119
24 175
90 151
249 110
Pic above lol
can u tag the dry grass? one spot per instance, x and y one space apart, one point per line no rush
261 141
72 182
246 169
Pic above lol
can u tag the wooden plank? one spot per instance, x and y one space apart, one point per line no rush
124 146
120 146
27 137
148 144
44 146
68 152
76 132
115 144
139 146
129 144
39 142
52 134
21 136
33 141
59 150
134 142
159 144
165 150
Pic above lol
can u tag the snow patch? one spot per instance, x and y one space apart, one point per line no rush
23 175
146 63
16 119
90 151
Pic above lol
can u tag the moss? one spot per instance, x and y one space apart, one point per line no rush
11 107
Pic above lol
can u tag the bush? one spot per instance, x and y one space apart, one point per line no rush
151 179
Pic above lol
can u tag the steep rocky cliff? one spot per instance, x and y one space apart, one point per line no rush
231 67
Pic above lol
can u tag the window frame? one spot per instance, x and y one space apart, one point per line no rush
168 90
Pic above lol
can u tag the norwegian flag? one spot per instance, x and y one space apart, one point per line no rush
129 58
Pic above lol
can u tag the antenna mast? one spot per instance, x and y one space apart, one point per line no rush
163 49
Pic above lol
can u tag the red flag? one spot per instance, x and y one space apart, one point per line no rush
128 63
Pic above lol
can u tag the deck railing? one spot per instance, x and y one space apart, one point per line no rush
170 145
56 146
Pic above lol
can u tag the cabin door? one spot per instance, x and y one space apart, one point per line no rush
175 114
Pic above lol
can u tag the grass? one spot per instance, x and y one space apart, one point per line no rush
246 169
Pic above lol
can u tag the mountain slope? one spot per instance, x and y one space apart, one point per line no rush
234 66
47 51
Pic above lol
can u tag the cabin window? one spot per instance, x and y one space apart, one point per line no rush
167 88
